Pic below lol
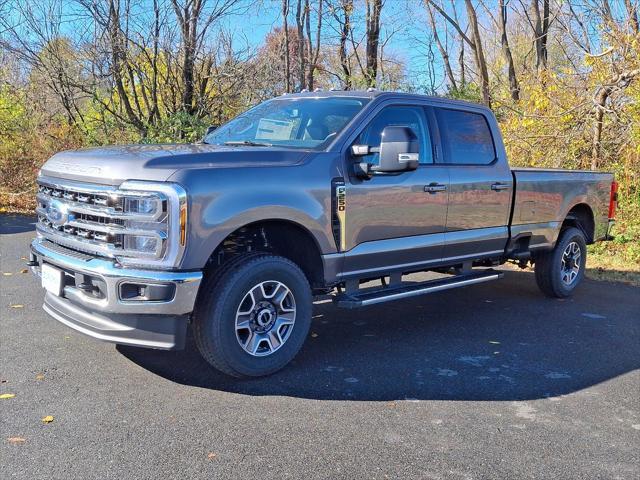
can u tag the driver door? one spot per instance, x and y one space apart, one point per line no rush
395 221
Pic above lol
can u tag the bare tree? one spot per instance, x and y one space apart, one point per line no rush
313 48
540 21
461 64
194 21
442 49
287 65
36 40
632 12
501 24
474 42
301 13
374 8
604 92
342 14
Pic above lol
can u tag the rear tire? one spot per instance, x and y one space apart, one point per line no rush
560 271
254 316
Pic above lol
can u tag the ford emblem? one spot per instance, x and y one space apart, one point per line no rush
57 213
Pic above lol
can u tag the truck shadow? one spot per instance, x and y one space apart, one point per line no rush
497 341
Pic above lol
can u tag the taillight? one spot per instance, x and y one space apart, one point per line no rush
613 200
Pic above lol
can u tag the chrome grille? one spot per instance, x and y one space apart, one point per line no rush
94 219
105 199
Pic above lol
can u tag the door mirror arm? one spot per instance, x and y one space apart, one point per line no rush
362 170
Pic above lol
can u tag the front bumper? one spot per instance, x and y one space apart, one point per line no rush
92 298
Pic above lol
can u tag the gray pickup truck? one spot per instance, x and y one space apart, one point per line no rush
307 194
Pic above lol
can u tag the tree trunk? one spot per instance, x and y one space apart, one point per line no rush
300 18
308 45
188 17
506 50
443 51
461 66
287 64
600 102
314 50
154 113
481 62
541 32
347 8
117 53
373 40
620 82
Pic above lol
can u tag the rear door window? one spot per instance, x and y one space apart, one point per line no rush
466 137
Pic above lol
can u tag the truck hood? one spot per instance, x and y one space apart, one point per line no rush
115 164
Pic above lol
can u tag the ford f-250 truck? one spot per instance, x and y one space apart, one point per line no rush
303 195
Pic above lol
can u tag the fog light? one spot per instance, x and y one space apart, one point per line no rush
147 292
141 243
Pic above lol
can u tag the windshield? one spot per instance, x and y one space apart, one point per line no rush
289 122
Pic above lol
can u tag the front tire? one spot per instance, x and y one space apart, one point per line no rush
254 316
560 271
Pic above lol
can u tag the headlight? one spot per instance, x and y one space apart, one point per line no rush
142 206
157 226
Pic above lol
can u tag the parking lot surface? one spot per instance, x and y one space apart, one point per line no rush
491 381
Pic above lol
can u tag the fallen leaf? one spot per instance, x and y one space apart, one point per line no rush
211 455
7 274
48 419
40 376
7 396
16 440
24 270
17 305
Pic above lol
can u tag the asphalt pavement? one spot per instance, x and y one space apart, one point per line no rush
491 381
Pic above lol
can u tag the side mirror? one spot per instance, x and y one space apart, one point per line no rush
399 151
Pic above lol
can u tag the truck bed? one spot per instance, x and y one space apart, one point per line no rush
544 196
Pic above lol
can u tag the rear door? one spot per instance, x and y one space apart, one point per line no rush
395 220
481 184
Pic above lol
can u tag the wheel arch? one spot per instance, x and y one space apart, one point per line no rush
581 216
285 238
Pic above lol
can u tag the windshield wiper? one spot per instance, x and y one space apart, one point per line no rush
248 143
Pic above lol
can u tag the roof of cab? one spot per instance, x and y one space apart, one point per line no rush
381 94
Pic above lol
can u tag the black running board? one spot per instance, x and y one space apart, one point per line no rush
376 295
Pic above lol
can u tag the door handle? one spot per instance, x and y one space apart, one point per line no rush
499 186
435 188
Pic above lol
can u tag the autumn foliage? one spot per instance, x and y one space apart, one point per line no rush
563 77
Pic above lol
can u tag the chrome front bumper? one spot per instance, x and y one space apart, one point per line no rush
102 313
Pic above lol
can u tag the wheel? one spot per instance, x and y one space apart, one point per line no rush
253 317
560 271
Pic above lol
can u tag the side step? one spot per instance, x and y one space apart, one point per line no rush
372 296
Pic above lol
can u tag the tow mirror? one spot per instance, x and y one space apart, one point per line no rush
399 151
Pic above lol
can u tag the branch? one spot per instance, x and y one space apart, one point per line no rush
453 23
